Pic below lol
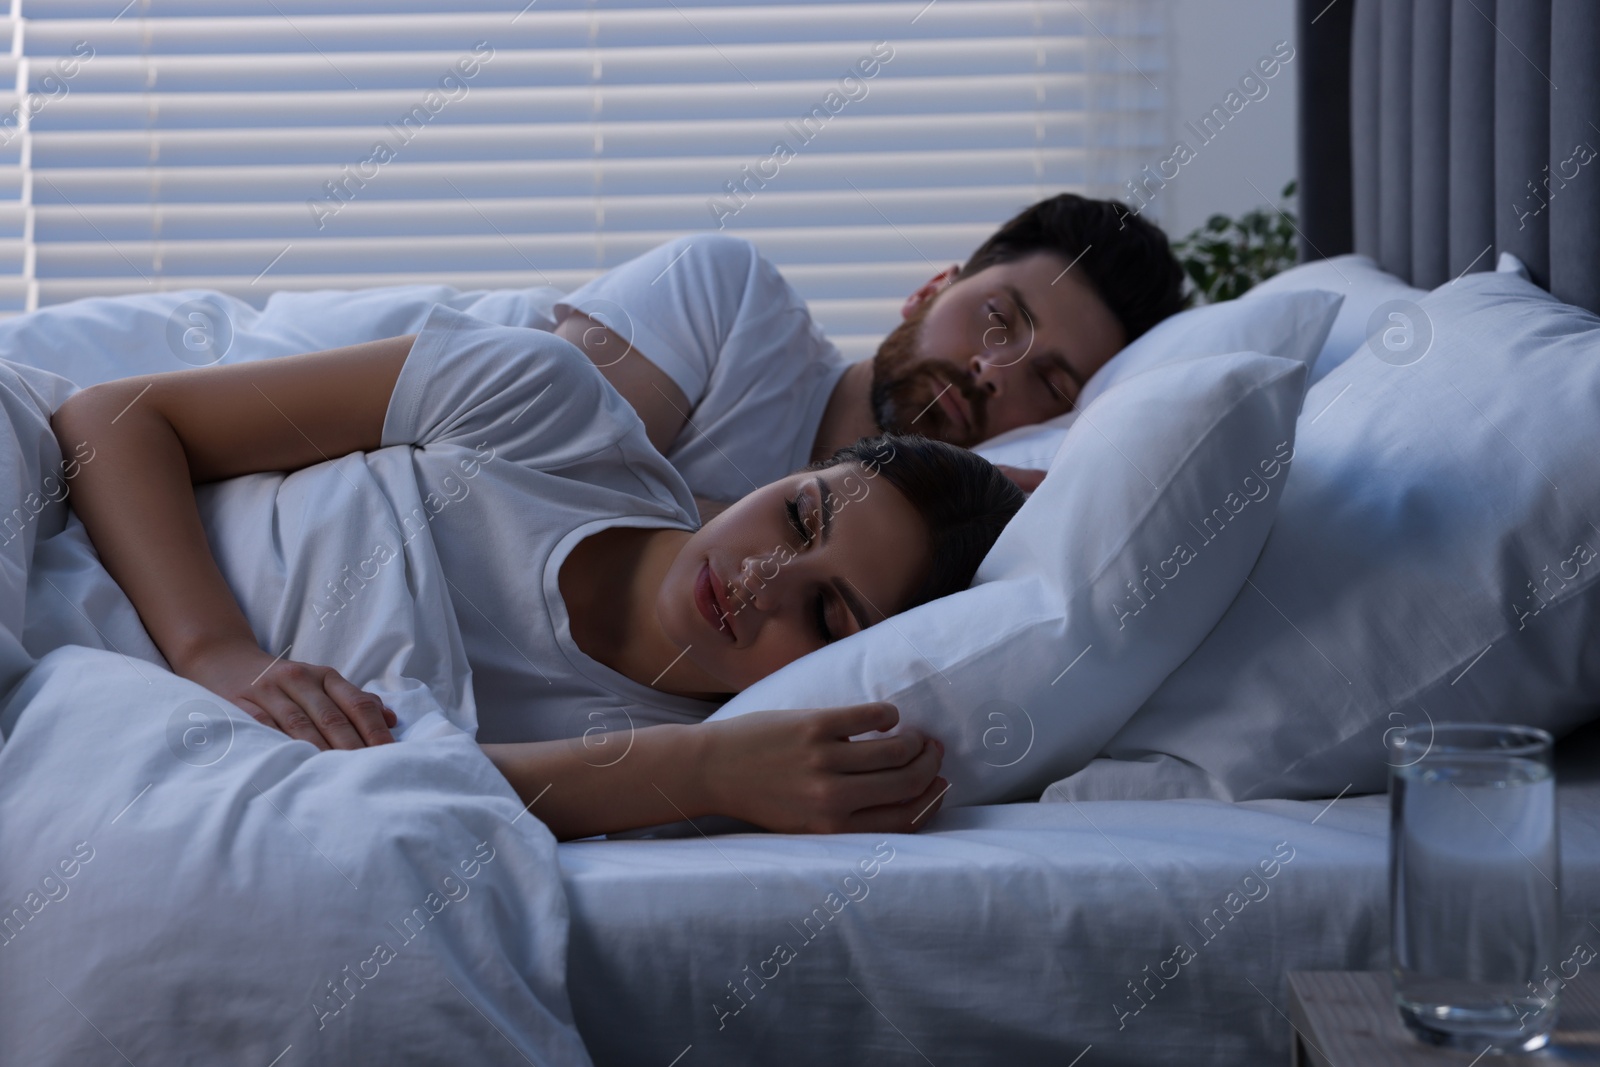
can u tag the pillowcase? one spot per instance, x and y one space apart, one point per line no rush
1290 324
1152 513
1029 447
1509 263
1434 559
1365 288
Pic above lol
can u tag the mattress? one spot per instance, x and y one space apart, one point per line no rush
1150 931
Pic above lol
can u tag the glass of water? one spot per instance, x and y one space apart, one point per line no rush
1474 905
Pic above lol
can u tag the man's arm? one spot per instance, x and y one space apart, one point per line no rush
788 771
660 404
654 395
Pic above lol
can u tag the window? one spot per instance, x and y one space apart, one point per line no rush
252 145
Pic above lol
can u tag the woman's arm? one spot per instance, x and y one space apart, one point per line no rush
787 771
157 435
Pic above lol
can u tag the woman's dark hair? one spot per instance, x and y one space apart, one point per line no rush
962 497
1127 259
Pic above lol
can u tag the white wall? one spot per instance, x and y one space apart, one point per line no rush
1214 43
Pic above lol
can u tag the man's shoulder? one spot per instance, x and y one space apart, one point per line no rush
718 243
724 254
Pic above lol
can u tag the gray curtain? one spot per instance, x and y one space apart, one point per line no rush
1364 126
1430 142
1471 124
1574 115
1522 132
1461 144
1395 65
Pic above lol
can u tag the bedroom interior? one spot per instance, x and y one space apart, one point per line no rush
1214 713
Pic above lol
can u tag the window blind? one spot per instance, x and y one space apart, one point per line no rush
253 145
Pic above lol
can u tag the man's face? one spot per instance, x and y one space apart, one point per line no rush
1009 346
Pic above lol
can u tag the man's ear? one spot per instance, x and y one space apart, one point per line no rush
929 289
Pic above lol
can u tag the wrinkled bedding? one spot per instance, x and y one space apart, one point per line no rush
182 884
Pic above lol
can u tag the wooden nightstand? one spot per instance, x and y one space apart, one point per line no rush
1348 1019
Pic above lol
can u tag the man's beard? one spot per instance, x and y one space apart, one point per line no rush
904 388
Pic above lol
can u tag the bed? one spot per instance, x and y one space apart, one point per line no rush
1029 933
1012 933
1101 927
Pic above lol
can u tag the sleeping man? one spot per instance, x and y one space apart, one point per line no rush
737 386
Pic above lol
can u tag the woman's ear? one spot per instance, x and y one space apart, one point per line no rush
929 289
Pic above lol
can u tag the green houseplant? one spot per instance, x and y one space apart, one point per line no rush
1225 257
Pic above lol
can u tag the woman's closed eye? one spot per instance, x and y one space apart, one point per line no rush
792 506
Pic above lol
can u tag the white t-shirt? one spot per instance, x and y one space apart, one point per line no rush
439 552
709 310
567 458
722 323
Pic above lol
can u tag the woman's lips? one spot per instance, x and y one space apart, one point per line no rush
711 608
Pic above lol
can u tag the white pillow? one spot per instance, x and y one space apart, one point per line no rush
1434 559
1365 289
1169 481
1509 263
1029 447
1291 325
194 887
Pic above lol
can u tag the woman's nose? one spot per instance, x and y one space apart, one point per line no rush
758 578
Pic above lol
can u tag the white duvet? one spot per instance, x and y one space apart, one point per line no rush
182 885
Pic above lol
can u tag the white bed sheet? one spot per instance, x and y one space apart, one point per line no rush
1001 934
95 340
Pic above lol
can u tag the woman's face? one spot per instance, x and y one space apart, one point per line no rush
793 566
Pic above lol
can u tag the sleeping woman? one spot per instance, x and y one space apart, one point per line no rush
583 586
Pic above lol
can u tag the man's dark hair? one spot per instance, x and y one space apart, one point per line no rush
962 497
1127 259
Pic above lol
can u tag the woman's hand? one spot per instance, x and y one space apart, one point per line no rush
305 701
799 772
